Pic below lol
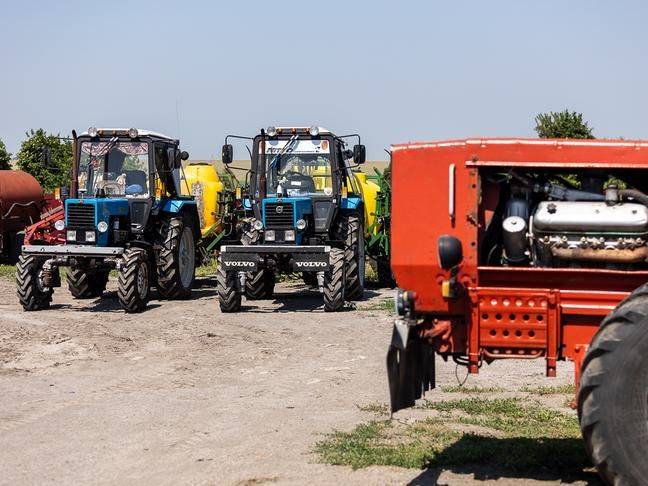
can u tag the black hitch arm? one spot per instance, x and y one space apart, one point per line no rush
410 366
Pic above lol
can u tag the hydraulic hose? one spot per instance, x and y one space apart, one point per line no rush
634 194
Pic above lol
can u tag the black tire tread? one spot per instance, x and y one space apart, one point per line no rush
228 297
129 298
260 284
169 284
350 231
334 282
30 296
85 284
621 324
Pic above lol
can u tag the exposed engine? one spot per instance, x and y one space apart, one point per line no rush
547 224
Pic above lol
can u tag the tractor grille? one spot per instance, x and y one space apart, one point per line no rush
279 215
80 215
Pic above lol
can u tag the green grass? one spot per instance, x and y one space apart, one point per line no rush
471 389
8 272
382 305
376 408
510 433
568 389
208 269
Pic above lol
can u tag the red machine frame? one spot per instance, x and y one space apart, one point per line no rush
503 312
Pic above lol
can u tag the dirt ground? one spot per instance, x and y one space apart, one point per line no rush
183 394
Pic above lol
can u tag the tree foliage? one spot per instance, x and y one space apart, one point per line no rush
47 158
564 124
5 157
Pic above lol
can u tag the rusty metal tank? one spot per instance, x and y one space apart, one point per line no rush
21 200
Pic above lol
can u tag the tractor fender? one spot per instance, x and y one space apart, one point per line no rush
352 203
188 209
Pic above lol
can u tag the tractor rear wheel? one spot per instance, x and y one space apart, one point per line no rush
351 232
31 293
176 267
85 284
259 284
334 282
613 394
134 280
229 298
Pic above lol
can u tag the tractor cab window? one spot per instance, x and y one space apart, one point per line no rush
114 168
298 168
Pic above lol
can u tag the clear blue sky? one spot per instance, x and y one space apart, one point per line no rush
392 71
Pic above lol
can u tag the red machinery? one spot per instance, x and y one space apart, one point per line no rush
523 247
22 203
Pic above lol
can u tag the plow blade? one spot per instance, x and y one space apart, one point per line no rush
410 367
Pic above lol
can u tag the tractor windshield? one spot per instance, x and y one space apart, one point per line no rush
114 168
298 167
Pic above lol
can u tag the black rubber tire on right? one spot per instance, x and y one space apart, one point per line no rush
349 229
385 275
86 284
613 391
32 297
229 298
335 282
135 265
260 284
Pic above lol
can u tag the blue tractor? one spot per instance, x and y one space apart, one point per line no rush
307 216
125 211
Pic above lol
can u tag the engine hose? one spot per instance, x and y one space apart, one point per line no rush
634 194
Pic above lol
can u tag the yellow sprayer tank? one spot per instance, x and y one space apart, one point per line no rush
369 191
205 185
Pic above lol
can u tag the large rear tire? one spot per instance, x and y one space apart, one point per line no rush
613 394
134 280
176 267
84 284
350 230
259 284
32 295
334 282
229 298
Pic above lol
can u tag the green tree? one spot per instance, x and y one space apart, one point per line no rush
564 124
47 157
5 157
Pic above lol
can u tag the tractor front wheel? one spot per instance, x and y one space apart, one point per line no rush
613 394
259 284
134 280
85 284
32 294
334 282
176 267
229 298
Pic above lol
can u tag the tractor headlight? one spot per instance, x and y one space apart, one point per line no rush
314 131
258 224
133 133
269 235
59 225
289 235
93 132
102 227
90 236
301 224
271 131
71 235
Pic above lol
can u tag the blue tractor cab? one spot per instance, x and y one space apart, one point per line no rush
307 217
125 211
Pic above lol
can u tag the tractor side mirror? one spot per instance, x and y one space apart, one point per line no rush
184 155
359 154
227 154
450 252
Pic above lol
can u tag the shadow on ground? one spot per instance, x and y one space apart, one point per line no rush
542 459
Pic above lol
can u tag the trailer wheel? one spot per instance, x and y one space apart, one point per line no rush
134 280
385 275
32 295
259 284
86 284
176 267
334 282
613 394
351 232
228 297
